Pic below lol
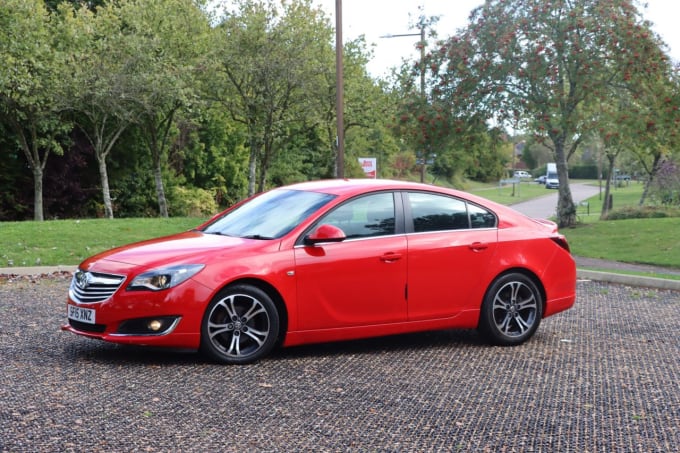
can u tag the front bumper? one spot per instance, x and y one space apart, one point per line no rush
169 318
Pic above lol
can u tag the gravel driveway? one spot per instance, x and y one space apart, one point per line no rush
602 377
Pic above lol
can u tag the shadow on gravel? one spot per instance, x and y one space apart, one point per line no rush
390 344
82 350
108 353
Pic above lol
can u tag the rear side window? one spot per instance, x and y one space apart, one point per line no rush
480 217
432 212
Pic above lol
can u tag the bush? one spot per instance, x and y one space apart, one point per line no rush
583 172
665 187
644 212
192 202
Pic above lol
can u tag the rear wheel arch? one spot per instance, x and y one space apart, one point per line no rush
509 312
521 270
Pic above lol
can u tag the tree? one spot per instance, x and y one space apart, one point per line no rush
539 65
659 119
168 38
31 85
369 111
614 139
54 5
458 145
267 59
102 83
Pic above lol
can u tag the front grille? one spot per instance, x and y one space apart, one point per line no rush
90 287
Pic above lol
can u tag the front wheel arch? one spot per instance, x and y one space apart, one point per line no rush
275 296
241 324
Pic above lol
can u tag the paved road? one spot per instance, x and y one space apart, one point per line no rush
602 377
546 206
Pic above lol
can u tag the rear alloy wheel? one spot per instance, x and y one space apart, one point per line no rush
241 325
512 310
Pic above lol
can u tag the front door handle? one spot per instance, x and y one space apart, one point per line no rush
478 246
390 257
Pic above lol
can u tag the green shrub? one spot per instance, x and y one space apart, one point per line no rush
582 172
642 212
192 202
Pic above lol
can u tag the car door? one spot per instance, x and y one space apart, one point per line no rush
450 247
361 280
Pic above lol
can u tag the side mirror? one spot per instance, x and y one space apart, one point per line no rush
325 233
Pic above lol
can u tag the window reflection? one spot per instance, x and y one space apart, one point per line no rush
370 215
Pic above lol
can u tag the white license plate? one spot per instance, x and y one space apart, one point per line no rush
86 315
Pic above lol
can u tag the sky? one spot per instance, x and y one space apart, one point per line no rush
378 18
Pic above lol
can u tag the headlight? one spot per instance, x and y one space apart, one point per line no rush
164 278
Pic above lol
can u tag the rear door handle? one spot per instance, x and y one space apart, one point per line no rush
478 246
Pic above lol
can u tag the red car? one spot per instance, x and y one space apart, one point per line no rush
325 261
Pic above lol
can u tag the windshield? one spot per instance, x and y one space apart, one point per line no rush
270 215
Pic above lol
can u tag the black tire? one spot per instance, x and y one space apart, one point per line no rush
241 325
511 311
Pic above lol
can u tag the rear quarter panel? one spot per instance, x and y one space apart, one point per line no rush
551 264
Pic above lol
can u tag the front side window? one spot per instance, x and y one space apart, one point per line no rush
433 212
367 216
270 215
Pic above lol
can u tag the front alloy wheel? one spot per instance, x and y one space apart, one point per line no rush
512 310
240 326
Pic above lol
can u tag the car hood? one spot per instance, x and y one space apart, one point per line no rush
193 247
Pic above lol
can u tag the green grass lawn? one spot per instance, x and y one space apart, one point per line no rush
644 241
625 196
68 242
506 194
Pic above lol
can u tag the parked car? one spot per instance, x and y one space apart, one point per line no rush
325 261
522 174
540 179
551 179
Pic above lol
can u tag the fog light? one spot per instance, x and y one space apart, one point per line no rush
155 325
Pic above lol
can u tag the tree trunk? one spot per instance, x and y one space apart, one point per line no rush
101 152
37 165
252 163
648 183
106 193
155 148
38 193
160 190
566 210
264 164
607 187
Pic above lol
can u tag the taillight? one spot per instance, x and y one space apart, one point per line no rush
562 242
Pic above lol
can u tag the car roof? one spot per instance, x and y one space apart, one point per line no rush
346 188
355 186
349 187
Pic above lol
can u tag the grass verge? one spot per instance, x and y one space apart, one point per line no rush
68 242
506 194
642 241
661 275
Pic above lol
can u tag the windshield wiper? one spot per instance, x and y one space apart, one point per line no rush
257 236
218 233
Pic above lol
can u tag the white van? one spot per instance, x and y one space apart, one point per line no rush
551 179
